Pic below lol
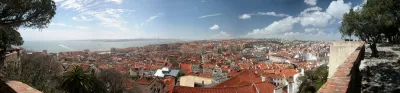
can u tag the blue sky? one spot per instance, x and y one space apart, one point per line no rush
194 19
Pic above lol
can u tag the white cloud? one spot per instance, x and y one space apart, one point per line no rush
273 14
338 8
57 24
221 35
321 33
359 7
291 33
74 5
81 18
109 17
58 0
315 18
78 34
245 16
214 27
69 26
116 1
310 30
311 9
311 2
284 25
248 16
211 15
82 27
311 18
151 18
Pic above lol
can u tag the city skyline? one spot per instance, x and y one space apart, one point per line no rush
194 19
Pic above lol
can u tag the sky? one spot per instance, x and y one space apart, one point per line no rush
194 19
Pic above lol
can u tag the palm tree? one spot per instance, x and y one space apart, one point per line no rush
78 81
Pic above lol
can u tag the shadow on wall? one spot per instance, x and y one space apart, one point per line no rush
382 78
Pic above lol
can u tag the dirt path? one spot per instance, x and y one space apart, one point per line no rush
382 74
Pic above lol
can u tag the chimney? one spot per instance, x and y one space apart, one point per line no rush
262 78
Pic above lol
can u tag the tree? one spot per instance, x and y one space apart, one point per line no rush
8 37
79 81
39 71
22 13
26 13
219 50
362 25
376 21
113 80
311 81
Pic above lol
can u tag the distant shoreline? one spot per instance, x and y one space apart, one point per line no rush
92 45
122 40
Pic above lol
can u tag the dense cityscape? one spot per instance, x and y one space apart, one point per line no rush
185 66
199 46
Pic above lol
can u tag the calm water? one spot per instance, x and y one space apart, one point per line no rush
61 46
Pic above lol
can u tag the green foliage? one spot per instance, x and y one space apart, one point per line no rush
219 51
171 59
8 37
79 81
311 81
378 20
26 13
38 71
180 74
113 80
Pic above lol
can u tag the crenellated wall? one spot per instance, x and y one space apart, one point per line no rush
344 75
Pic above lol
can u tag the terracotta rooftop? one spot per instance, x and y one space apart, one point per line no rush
145 81
245 76
262 87
186 68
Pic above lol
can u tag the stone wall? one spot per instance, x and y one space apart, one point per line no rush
16 87
346 78
339 52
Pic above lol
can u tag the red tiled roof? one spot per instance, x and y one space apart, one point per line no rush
233 73
265 87
225 69
169 81
207 66
186 68
289 72
145 81
262 87
274 75
242 89
244 76
103 66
